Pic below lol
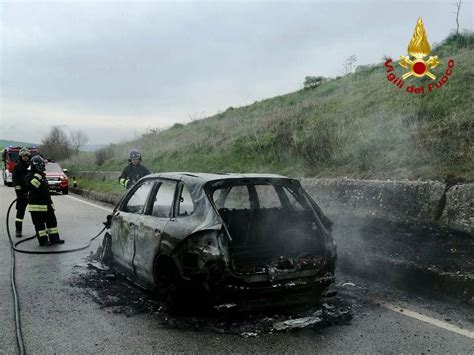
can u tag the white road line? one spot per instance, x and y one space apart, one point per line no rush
426 319
91 204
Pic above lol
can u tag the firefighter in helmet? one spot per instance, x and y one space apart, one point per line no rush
18 177
40 204
134 171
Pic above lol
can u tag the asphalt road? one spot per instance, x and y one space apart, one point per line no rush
58 316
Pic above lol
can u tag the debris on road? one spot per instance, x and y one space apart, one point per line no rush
297 323
225 306
115 294
345 284
98 265
249 335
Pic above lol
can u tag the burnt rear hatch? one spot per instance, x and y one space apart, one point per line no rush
276 235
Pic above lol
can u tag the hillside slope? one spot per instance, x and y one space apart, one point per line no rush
360 125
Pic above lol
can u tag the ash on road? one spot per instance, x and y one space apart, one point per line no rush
115 294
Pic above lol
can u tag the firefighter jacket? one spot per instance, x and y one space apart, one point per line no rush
39 198
131 174
19 176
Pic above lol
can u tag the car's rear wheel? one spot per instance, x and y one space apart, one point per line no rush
66 191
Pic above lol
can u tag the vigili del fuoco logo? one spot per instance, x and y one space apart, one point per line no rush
417 64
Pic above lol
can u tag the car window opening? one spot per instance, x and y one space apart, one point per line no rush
163 201
270 226
137 201
53 168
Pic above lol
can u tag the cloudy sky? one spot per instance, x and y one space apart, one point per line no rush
116 69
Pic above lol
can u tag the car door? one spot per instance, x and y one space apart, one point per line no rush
150 229
183 221
126 221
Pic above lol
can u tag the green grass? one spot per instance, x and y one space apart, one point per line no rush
357 126
108 187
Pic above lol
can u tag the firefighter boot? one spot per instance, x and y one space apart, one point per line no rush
43 241
54 236
56 240
43 238
18 227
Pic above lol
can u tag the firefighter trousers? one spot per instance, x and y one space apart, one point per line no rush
45 225
21 204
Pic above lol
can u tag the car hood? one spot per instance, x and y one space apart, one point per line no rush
55 175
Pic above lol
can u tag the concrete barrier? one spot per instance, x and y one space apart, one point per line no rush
106 198
398 201
458 213
96 175
409 202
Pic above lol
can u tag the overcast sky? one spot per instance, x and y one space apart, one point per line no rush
116 69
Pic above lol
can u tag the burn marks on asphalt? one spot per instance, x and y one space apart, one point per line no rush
115 294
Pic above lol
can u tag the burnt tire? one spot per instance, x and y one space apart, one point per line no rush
317 296
167 281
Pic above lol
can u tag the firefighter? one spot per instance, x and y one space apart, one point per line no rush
18 177
40 204
134 171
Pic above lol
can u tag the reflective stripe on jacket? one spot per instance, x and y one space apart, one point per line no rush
37 208
39 197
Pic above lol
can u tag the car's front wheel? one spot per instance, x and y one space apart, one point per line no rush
167 283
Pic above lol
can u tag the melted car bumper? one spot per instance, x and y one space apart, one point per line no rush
275 294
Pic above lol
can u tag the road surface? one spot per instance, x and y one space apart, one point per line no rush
62 312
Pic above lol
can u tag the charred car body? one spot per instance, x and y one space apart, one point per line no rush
233 236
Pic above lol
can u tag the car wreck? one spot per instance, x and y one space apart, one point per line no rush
233 237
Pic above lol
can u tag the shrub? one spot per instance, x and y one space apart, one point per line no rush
312 82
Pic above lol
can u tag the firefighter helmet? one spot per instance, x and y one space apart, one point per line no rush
24 151
134 154
38 163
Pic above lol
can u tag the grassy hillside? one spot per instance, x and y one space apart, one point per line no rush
359 125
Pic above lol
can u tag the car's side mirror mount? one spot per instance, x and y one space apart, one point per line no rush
108 221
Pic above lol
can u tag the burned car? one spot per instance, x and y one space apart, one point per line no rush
231 236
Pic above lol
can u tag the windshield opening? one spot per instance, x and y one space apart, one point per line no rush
53 168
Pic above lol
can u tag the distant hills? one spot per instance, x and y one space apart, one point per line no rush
7 143
85 148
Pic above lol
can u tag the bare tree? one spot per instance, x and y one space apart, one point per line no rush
56 144
458 8
78 139
103 154
349 64
196 116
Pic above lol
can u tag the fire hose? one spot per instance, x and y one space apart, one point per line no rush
13 249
